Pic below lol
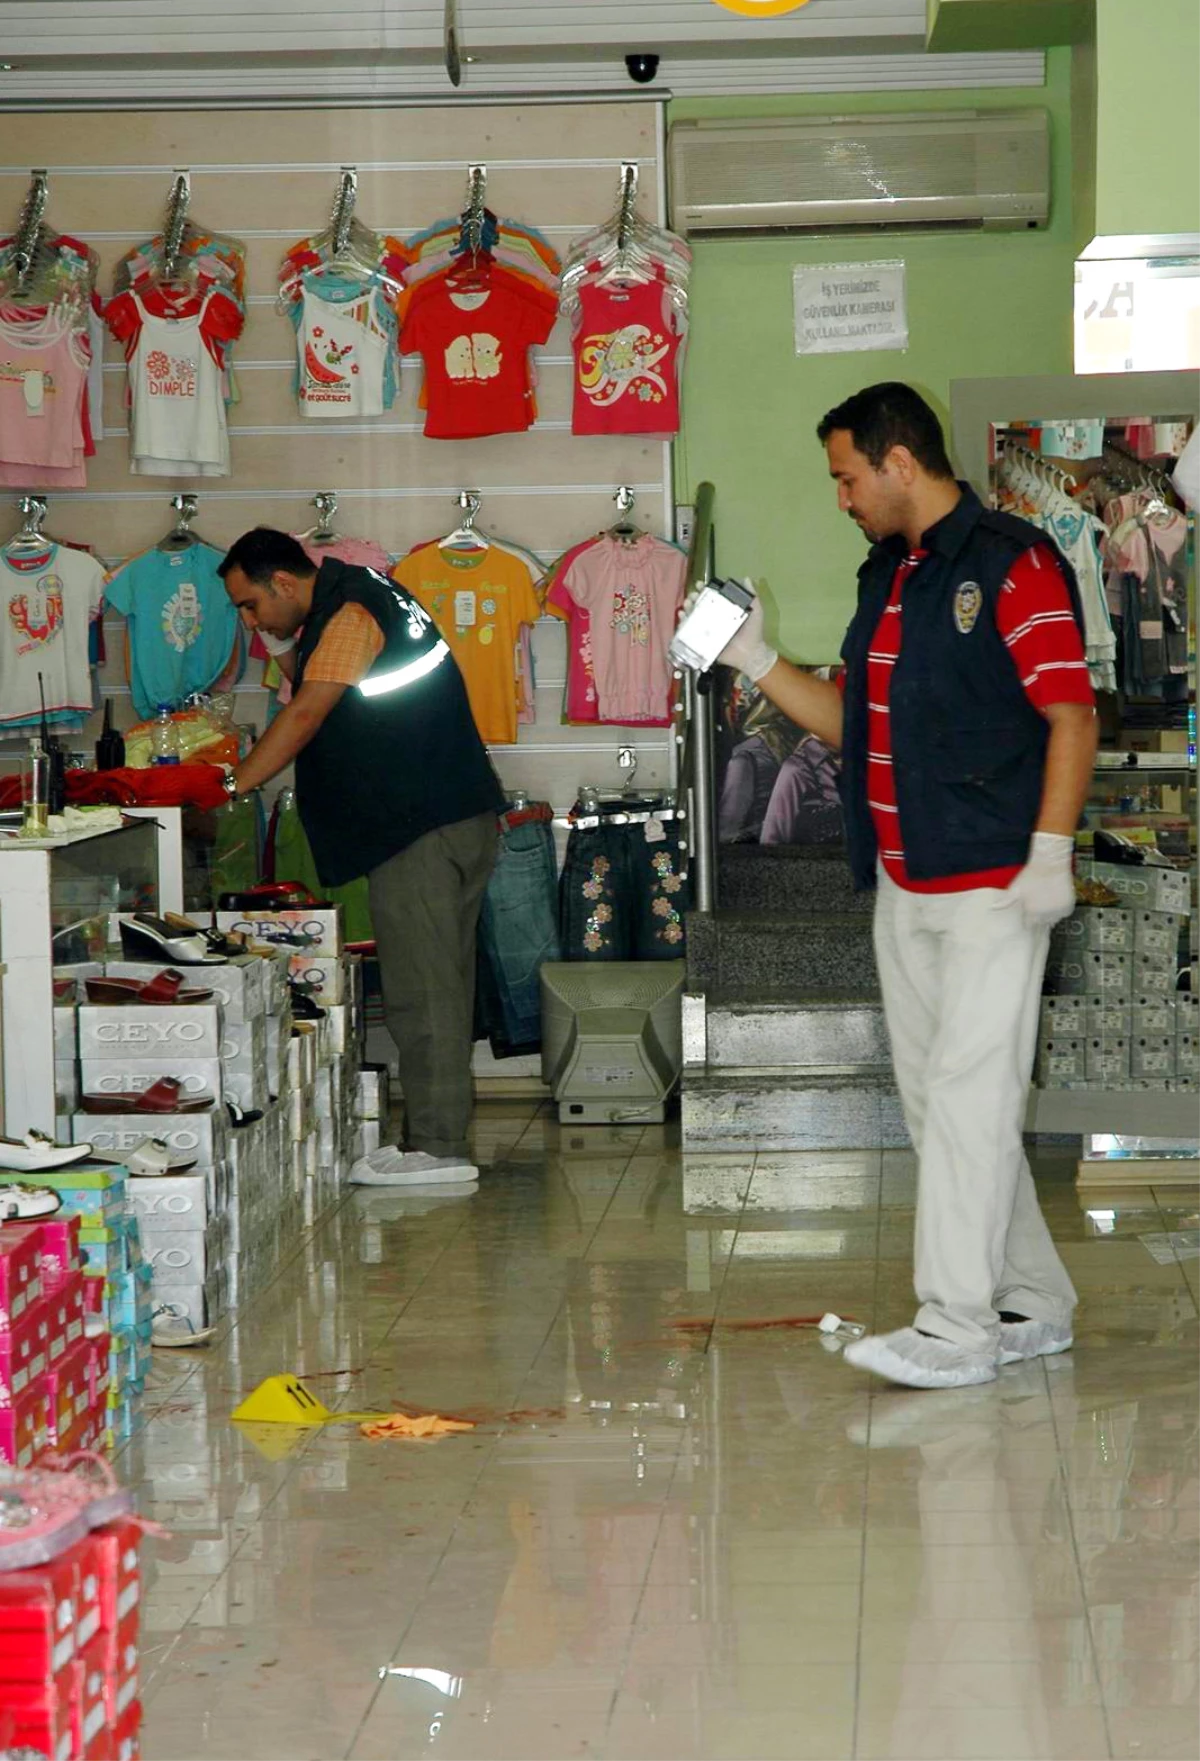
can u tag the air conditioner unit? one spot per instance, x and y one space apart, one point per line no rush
966 168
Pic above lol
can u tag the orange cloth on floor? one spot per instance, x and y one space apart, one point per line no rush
398 1424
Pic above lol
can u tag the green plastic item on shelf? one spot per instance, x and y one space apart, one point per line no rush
294 861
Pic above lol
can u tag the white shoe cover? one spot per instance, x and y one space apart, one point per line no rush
395 1167
1020 1340
916 1360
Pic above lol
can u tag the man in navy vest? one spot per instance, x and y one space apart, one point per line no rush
967 727
392 782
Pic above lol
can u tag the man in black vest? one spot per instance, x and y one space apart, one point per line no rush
392 781
967 749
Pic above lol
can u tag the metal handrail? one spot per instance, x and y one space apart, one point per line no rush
696 788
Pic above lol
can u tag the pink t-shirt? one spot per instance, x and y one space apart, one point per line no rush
632 594
43 370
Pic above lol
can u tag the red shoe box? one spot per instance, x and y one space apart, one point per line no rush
121 1667
70 1301
93 1294
100 1369
89 1710
68 1388
22 1355
85 1433
83 1556
128 1735
50 1320
20 1272
24 1426
58 1243
40 1717
120 1580
39 1622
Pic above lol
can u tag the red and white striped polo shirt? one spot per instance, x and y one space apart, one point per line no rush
1034 616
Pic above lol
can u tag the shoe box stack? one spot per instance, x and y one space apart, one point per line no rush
1111 1016
69 1650
55 1374
370 1110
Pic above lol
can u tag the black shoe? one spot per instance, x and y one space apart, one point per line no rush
144 937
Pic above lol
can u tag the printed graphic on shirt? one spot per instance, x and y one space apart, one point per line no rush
170 375
623 361
182 619
477 357
968 602
35 382
36 613
631 615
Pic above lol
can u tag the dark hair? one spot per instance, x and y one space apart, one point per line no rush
888 415
258 554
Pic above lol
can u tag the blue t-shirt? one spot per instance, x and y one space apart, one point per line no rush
182 624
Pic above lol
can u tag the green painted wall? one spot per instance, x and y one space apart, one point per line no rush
979 305
1148 122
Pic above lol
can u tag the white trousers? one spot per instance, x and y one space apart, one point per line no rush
961 977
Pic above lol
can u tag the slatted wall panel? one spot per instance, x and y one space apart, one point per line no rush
270 178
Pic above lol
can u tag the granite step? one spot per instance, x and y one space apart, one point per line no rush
802 953
744 1112
774 1029
786 877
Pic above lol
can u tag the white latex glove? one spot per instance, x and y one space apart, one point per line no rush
747 651
1045 887
277 644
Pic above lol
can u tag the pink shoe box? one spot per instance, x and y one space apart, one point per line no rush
20 1273
66 1309
127 1738
22 1355
23 1427
58 1243
39 1616
99 1368
69 1389
121 1667
120 1577
37 1716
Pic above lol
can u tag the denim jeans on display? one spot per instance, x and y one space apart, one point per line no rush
624 896
518 932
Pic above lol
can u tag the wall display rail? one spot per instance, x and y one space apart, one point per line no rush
555 166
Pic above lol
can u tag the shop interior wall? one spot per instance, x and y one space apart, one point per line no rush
1148 117
270 179
978 305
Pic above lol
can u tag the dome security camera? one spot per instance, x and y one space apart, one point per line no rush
641 68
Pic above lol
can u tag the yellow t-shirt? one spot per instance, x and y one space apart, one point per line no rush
478 600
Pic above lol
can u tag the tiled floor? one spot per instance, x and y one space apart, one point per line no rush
672 1543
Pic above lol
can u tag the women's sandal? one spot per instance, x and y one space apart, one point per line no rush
164 1096
144 937
227 943
166 986
37 1154
152 1159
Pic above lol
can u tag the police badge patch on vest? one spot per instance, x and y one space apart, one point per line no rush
968 599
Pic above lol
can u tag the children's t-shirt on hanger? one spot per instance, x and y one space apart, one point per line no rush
626 345
51 599
182 623
475 348
478 600
633 593
176 383
344 351
43 371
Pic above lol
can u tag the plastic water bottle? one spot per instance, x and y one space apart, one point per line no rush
164 747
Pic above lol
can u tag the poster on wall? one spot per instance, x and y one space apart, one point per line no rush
776 782
843 308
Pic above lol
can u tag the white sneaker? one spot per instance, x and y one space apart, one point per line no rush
395 1167
22 1204
1025 1339
917 1360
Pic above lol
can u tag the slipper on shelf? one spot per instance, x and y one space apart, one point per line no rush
167 986
152 1159
36 1153
227 943
239 1115
171 1330
25 1204
144 937
164 1096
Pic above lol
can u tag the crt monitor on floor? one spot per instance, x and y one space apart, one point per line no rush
611 1039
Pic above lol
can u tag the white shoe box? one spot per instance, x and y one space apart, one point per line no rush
244 1044
174 1202
202 1136
189 1300
1154 973
1059 1061
1108 1020
321 929
1154 1015
323 1093
341 1028
1146 889
1059 1017
1085 972
122 1076
1152 1057
1187 1055
1097 927
324 980
137 1030
1155 932
66 1045
299 1115
372 1096
1107 1060
66 1085
239 986
1187 1013
183 1256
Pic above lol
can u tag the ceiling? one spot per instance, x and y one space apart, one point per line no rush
68 50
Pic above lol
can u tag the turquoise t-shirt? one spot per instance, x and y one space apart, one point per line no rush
182 624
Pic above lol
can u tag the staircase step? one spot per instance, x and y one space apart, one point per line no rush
786 877
772 1112
807 952
788 1032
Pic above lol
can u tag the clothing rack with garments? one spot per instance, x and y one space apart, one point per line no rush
625 887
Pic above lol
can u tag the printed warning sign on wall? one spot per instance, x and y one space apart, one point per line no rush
843 307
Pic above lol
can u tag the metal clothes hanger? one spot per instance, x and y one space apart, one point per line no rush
181 536
466 536
326 503
30 538
627 530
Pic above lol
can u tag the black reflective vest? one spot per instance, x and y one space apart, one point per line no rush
399 754
968 747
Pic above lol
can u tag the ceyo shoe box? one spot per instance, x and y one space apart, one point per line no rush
316 931
136 1032
239 986
199 1137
